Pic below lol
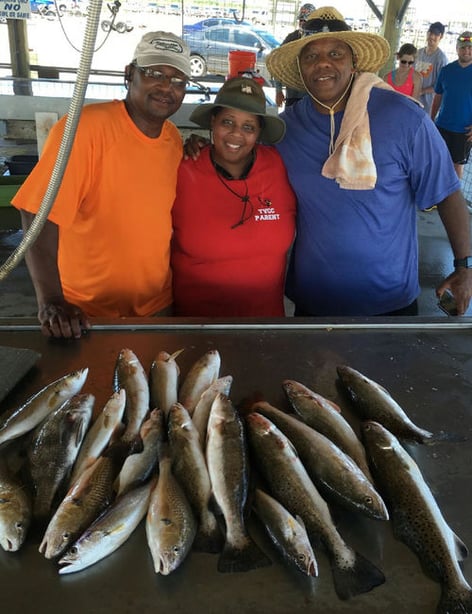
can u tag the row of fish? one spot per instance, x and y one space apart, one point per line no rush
186 467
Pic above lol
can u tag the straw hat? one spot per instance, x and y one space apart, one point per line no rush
247 95
370 51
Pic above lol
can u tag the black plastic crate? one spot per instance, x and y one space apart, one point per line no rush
21 164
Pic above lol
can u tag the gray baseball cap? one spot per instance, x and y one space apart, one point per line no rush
163 48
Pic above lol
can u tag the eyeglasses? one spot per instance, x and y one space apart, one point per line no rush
174 82
465 39
409 62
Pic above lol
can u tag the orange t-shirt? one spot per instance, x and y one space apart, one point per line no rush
113 210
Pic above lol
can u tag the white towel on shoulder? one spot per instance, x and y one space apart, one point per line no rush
352 164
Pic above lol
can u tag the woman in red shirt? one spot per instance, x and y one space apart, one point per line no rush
405 78
234 213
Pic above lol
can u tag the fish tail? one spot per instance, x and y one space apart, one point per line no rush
242 557
208 541
358 578
209 537
42 506
455 600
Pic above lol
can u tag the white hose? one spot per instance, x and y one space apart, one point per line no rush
70 129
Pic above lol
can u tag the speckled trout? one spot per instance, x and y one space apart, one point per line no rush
326 417
373 402
417 519
189 467
290 484
53 450
334 472
286 532
228 467
36 408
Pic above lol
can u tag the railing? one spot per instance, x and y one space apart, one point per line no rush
109 85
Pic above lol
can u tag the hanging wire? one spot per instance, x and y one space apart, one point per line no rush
70 129
114 12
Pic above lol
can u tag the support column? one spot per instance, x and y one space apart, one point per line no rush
394 13
19 54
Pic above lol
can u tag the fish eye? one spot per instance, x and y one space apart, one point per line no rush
73 550
301 558
368 500
176 550
19 524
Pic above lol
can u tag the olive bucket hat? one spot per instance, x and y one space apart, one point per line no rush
246 95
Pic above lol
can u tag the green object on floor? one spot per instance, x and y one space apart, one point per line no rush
9 185
9 216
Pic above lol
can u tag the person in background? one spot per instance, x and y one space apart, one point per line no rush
292 95
405 78
361 160
429 61
105 248
452 103
234 212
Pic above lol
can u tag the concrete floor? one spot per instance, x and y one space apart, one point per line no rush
17 295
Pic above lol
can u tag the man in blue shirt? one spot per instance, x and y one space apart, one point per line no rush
453 100
362 159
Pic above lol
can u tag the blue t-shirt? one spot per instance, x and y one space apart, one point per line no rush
356 251
455 85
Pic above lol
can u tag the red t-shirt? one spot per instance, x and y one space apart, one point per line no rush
223 271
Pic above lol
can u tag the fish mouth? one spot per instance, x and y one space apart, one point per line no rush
10 545
67 566
48 550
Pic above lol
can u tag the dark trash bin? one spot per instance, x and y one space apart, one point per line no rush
21 164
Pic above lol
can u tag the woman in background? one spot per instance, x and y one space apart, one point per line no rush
405 78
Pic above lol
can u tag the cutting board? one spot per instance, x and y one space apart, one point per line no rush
14 364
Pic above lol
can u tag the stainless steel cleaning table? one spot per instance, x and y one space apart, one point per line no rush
426 366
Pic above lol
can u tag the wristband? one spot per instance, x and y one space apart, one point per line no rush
465 263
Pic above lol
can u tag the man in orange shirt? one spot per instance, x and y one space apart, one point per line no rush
104 250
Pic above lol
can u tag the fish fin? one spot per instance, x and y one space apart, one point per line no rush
455 601
462 552
361 577
176 354
246 405
299 519
442 437
249 557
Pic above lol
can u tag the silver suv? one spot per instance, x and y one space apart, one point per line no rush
209 48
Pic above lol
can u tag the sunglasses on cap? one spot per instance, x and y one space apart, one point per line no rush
409 62
465 39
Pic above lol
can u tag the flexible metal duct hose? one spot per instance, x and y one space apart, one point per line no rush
72 121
